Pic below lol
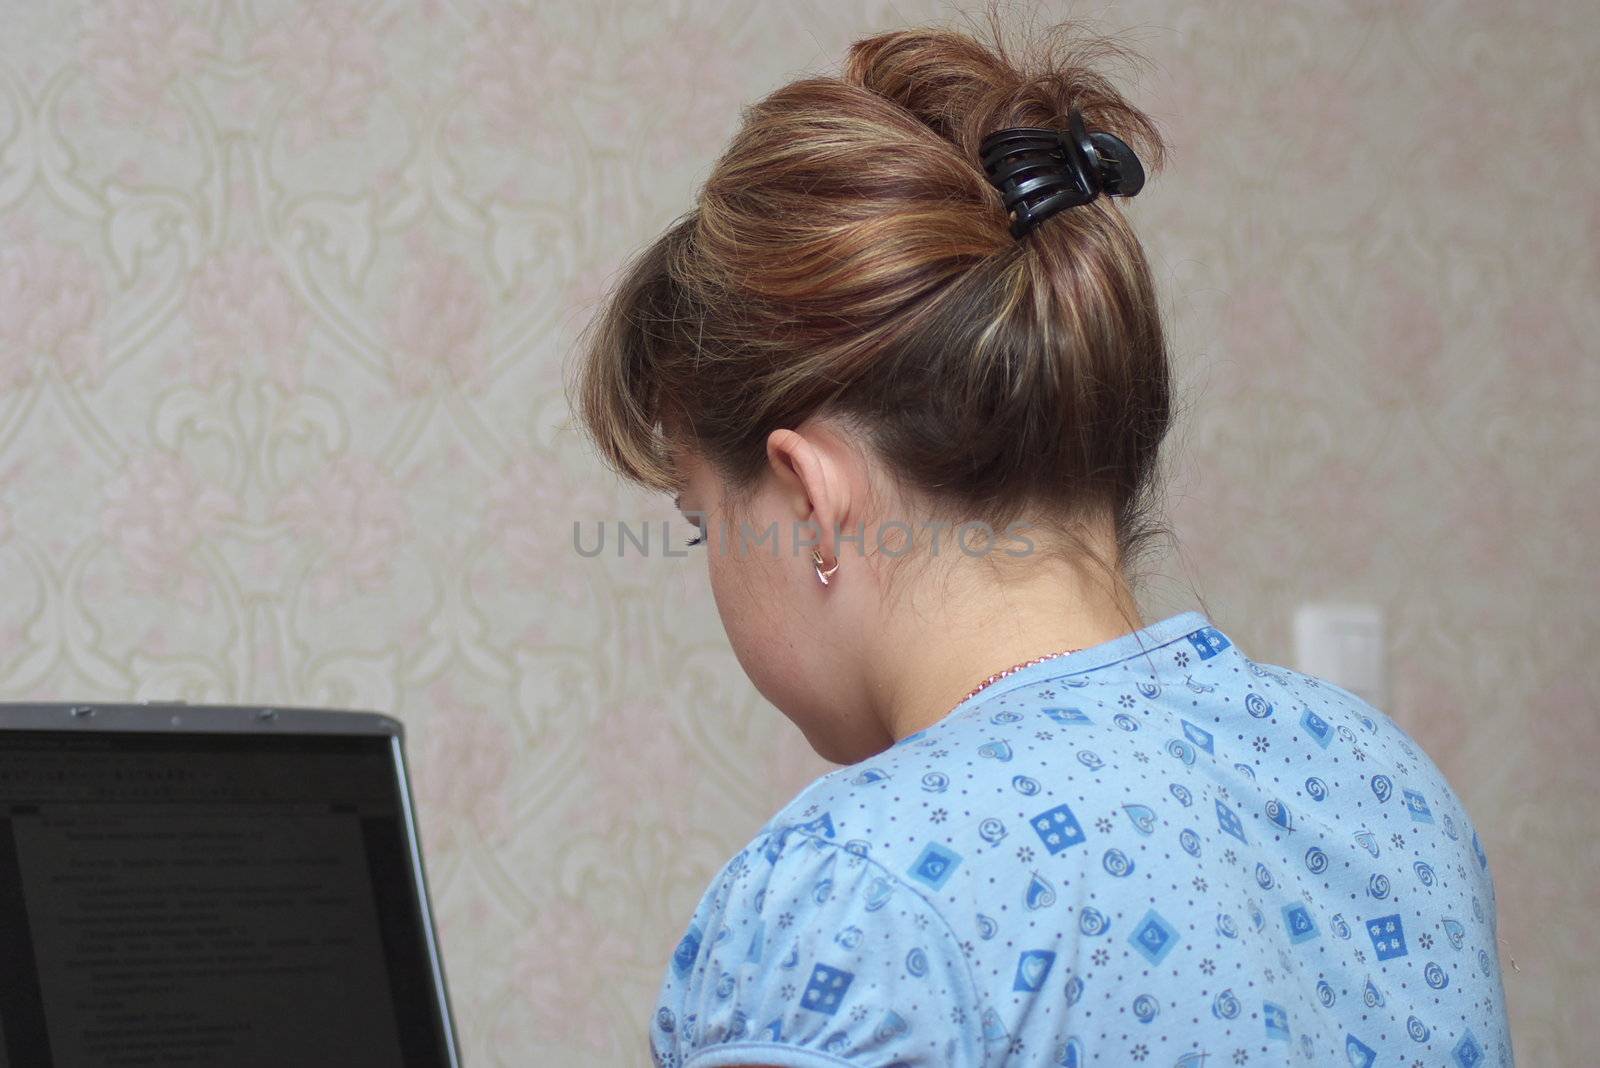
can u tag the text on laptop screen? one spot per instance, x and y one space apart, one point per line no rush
208 899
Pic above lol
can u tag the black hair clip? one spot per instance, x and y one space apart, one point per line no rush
1041 171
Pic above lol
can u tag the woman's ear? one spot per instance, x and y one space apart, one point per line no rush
796 471
809 475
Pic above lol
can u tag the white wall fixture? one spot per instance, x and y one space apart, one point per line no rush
1343 643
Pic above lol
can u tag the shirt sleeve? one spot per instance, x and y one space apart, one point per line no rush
807 954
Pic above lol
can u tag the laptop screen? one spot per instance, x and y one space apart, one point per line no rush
205 899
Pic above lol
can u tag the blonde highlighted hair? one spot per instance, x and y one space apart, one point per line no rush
848 256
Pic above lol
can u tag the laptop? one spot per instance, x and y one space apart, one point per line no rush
213 885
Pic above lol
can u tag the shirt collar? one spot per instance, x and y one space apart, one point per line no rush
1165 650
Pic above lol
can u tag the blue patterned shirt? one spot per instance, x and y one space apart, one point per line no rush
1154 851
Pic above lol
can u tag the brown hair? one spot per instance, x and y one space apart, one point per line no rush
847 256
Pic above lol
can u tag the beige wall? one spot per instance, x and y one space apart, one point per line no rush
286 289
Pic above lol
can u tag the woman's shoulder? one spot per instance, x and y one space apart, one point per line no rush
966 811
806 949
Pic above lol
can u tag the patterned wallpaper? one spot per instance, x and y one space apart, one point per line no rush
286 294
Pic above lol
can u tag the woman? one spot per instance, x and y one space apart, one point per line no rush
916 418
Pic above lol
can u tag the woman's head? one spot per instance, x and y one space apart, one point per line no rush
843 332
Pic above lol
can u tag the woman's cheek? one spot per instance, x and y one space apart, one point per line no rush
753 612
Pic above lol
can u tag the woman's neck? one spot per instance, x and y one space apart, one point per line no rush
934 651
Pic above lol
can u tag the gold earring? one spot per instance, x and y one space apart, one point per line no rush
816 557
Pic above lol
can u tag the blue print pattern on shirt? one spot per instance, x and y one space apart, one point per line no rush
1152 852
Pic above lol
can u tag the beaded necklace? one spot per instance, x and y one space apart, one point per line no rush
997 676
